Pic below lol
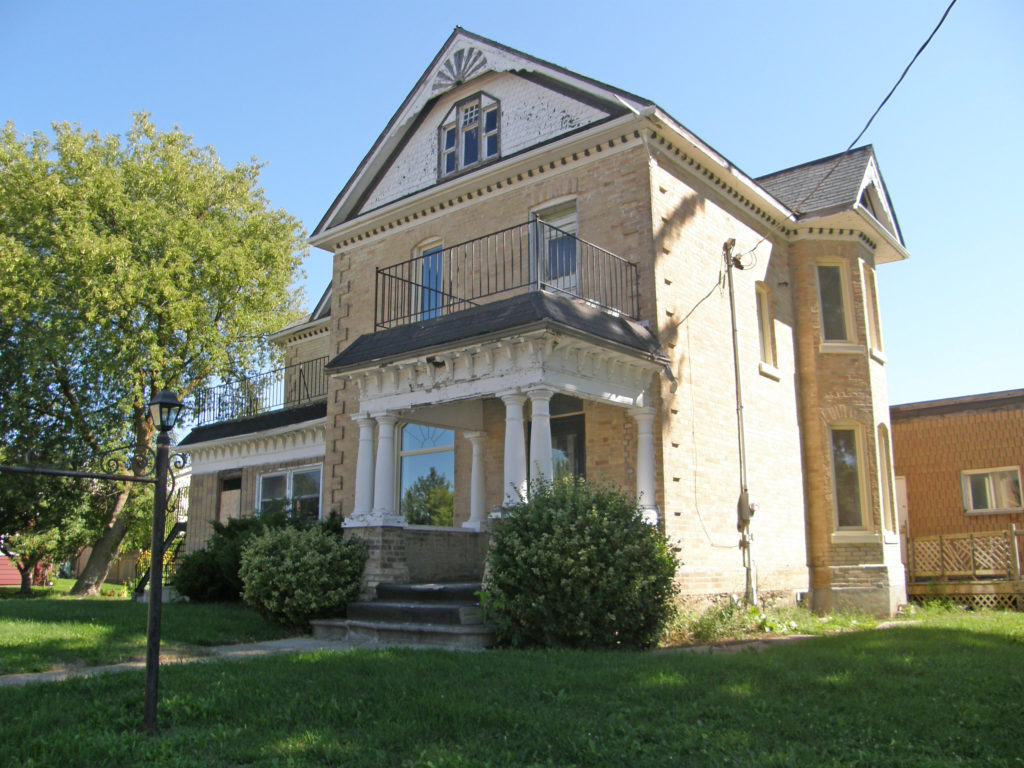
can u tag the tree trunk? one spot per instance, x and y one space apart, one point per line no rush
26 570
105 549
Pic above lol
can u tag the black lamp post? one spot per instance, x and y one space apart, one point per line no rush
164 409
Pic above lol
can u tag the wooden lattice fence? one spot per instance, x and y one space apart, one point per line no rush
981 569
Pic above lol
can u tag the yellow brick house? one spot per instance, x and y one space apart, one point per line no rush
539 275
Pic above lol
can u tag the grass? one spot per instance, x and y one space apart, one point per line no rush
51 630
947 691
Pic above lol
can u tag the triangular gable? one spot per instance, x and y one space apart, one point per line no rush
403 160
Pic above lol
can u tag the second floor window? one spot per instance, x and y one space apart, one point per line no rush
469 134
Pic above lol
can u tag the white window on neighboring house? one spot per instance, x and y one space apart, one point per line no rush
834 303
991 490
765 324
298 490
847 477
469 134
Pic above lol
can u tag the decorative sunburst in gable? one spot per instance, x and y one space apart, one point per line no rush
459 67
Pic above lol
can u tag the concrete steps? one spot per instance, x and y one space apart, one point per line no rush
412 616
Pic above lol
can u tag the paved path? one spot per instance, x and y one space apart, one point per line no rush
307 644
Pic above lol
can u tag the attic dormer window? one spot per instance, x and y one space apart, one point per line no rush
469 134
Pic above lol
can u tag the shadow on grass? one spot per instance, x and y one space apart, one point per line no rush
914 696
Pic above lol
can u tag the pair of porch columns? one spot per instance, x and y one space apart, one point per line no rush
376 475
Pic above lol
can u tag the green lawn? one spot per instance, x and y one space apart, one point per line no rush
51 630
946 692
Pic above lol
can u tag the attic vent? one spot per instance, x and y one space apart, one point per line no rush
458 68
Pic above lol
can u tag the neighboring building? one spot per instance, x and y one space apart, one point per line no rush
959 460
530 282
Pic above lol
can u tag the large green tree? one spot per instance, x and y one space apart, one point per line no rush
129 264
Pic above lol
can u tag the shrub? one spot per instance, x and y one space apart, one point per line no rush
211 574
576 565
293 575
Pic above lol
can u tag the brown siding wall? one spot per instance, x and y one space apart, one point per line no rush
932 451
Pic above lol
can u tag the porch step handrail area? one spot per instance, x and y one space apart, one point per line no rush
529 256
280 388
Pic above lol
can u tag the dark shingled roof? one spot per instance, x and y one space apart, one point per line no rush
259 423
839 190
536 309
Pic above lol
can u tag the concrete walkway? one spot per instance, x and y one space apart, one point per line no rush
309 644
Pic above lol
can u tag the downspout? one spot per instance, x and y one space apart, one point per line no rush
744 509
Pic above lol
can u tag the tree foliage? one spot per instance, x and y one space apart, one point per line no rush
129 264
429 500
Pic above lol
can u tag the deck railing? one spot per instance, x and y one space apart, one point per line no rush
285 387
529 256
983 555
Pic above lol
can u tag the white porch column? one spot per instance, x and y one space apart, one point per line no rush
364 467
384 471
515 448
541 467
477 487
646 484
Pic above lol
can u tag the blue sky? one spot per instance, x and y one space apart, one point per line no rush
307 87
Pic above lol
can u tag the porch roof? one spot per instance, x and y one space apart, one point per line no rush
529 311
285 417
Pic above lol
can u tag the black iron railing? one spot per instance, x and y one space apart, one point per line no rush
530 256
281 388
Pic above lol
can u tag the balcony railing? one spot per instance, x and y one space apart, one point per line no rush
530 256
286 387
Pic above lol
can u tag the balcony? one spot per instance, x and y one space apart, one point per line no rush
527 257
287 387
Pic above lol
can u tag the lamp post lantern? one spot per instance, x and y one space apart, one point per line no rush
164 409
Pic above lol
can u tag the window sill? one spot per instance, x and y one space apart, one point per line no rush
878 356
842 348
769 371
1011 511
855 537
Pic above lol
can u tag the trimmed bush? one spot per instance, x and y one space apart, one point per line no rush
292 575
577 566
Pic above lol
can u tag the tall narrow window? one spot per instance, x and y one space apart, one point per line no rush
431 289
885 466
874 327
556 248
832 296
765 324
846 477
469 134
427 475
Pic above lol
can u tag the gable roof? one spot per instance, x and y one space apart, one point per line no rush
463 57
829 184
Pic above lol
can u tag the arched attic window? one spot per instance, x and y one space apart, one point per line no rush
469 135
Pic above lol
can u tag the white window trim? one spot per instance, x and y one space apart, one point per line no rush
453 118
887 481
850 343
866 522
872 310
287 472
965 473
765 314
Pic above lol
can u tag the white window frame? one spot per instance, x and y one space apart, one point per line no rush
454 121
849 326
874 321
967 496
862 489
288 473
888 485
425 248
765 325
